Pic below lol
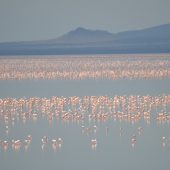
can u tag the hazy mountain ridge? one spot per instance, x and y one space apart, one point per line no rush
81 40
82 35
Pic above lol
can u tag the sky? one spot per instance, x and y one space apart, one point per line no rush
25 20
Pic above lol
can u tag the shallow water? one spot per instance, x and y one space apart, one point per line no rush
114 148
48 88
113 151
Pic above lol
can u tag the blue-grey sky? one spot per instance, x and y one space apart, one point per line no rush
22 20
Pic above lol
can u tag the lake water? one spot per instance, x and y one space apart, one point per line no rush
97 120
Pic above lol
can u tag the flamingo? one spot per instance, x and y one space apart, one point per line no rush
60 142
133 140
164 141
140 129
44 140
55 144
121 131
16 144
28 140
5 145
94 143
95 128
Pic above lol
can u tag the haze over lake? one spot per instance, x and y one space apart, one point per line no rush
85 112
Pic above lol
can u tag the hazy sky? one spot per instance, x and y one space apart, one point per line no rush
43 19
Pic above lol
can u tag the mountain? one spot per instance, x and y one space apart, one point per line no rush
85 41
82 35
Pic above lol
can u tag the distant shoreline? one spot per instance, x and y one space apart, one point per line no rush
83 54
62 53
